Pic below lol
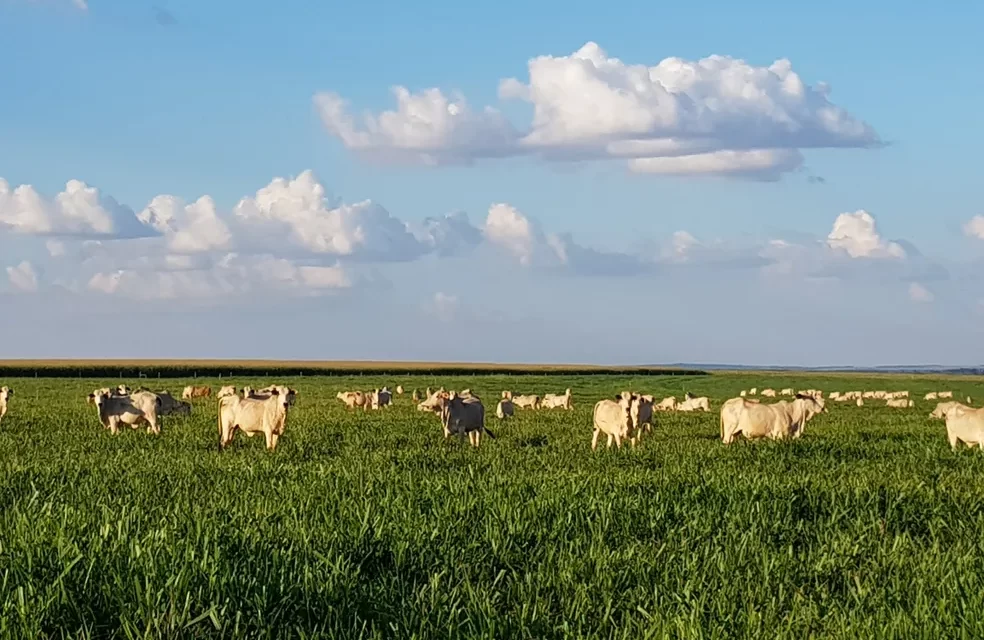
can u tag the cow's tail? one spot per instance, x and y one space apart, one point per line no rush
722 425
489 431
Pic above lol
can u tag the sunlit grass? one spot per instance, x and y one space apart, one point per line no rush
371 525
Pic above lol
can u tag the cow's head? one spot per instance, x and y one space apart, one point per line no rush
6 392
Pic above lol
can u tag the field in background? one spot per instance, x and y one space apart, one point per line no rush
370 524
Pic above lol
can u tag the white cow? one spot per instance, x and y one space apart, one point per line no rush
769 393
930 396
899 403
730 411
399 389
777 421
944 394
552 401
225 392
787 392
666 404
614 419
753 391
5 394
463 416
965 425
526 402
252 416
352 399
743 393
942 407
432 402
860 402
140 408
694 404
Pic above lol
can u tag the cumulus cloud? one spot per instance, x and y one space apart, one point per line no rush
23 277
716 116
296 210
193 228
856 235
919 293
975 227
79 210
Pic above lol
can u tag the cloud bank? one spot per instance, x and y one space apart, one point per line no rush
717 116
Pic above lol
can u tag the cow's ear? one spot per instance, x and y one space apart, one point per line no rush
618 396
275 392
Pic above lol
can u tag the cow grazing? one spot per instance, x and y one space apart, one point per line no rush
140 408
399 389
777 421
225 392
526 402
666 404
945 394
930 396
353 399
694 404
614 419
123 390
743 393
942 407
551 401
251 416
753 391
172 406
769 393
966 425
504 409
5 394
191 392
787 392
899 403
463 416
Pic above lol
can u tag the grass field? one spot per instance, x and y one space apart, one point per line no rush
372 525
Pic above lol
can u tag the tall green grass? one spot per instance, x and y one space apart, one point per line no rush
372 525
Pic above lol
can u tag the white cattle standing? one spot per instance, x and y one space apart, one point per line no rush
694 404
140 408
5 394
966 425
614 419
504 409
769 393
787 392
776 421
526 402
251 416
666 404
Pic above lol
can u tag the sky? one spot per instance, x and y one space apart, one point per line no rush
635 183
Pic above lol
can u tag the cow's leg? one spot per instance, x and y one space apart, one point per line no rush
618 441
594 439
953 440
610 439
274 439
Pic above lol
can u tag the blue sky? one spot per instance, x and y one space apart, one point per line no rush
189 99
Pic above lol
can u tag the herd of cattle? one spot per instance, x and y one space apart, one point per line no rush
627 417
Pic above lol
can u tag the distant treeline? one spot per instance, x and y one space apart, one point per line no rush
214 369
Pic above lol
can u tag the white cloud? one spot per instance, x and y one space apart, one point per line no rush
79 210
506 227
919 293
194 228
23 277
297 211
428 127
856 235
975 227
715 116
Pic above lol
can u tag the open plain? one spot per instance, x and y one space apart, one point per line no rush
371 524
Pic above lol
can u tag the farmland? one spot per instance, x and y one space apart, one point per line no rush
372 525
